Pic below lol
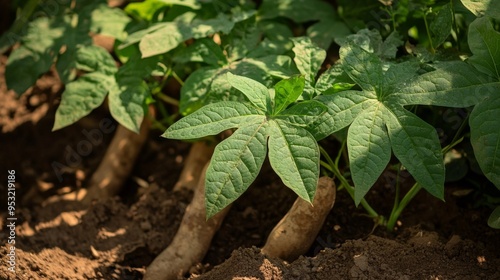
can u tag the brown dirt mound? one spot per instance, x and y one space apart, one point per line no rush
422 256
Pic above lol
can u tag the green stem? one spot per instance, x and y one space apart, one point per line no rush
334 168
429 33
456 138
339 154
396 211
167 99
399 207
157 125
20 22
327 166
176 77
163 110
26 13
393 18
455 25
398 190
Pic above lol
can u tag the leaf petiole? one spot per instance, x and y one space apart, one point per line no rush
167 99
345 184
396 211
400 206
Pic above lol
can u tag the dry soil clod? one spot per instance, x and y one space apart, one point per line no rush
192 240
296 232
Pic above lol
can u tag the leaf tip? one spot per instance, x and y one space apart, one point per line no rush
210 210
58 124
358 197
165 134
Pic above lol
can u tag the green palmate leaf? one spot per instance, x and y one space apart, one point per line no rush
74 38
372 42
256 92
368 40
287 91
222 23
293 151
138 67
148 9
485 137
81 97
483 7
416 144
19 77
196 89
364 68
193 4
128 93
327 30
398 76
308 59
294 156
42 34
58 39
343 108
209 84
203 50
109 21
359 9
66 65
369 149
303 114
144 10
235 164
296 10
212 119
127 102
453 84
244 38
484 43
389 48
136 37
333 80
163 39
376 113
275 66
494 219
96 18
95 59
275 39
168 35
440 27
34 57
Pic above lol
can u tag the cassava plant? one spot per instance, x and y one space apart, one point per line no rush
376 112
270 73
263 123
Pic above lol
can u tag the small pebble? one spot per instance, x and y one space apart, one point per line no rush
146 226
361 262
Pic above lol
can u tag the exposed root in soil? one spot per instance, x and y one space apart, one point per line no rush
199 154
117 163
115 167
192 240
295 233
